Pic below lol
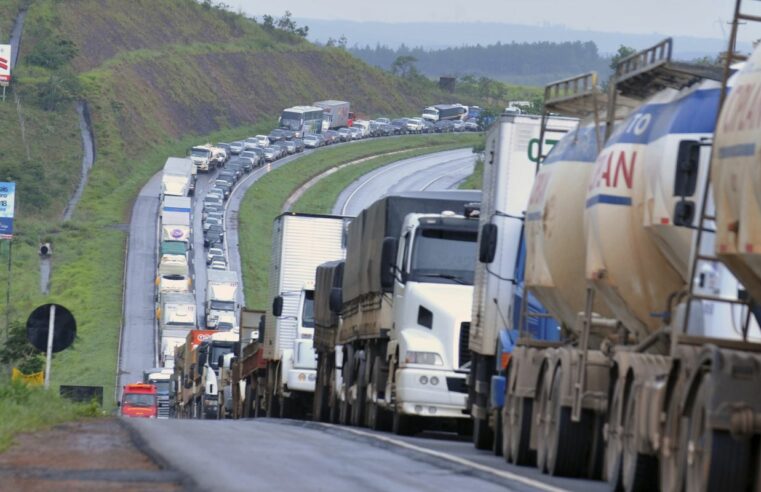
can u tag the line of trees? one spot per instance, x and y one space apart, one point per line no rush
534 63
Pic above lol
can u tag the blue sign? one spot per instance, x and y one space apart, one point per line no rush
7 209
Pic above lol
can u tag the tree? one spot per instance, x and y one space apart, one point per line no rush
404 66
623 52
19 352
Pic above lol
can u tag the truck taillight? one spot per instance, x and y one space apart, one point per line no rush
504 360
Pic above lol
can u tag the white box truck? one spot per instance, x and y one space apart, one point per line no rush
300 242
221 293
336 114
179 177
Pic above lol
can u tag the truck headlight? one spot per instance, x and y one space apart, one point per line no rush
427 358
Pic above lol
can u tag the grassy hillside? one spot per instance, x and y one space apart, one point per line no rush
158 75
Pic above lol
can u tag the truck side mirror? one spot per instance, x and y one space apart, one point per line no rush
336 300
388 255
684 213
277 306
687 164
487 243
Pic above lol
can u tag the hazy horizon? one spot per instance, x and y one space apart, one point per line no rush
684 18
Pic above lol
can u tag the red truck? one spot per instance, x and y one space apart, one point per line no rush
139 400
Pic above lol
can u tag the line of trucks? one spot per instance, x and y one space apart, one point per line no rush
592 312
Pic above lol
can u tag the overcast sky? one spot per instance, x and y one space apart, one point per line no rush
701 18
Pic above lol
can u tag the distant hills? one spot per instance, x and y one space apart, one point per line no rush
443 35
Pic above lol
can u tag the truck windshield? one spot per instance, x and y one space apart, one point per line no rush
223 305
200 152
307 313
216 352
162 387
139 400
444 255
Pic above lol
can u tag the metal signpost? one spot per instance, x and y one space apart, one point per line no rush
5 67
7 211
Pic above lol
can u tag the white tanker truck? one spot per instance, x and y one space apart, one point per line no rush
656 381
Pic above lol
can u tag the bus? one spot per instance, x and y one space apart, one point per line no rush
445 112
301 120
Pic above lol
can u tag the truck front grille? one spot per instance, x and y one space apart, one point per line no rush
464 350
457 385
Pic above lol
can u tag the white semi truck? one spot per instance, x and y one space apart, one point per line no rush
300 242
404 301
221 298
179 177
510 163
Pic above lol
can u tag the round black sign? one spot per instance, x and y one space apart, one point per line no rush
65 329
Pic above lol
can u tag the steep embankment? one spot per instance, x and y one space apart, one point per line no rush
158 76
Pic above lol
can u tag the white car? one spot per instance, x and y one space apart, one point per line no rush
210 221
237 147
218 264
264 140
250 143
212 253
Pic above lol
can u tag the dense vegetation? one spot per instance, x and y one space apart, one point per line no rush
520 63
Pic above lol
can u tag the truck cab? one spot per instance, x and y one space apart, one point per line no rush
210 353
139 400
160 378
431 276
202 158
300 371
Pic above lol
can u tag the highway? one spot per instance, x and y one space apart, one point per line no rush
222 455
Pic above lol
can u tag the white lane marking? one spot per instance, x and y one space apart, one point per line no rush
454 459
388 169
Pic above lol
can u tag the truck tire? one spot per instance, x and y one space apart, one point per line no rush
248 403
402 425
569 443
496 446
360 398
673 449
613 446
377 418
516 434
482 434
638 471
716 459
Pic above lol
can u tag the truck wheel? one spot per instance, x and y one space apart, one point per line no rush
402 425
286 407
517 431
569 443
496 446
358 405
639 471
716 460
542 412
613 446
482 434
673 448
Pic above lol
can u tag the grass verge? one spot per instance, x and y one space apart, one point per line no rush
476 180
26 409
264 200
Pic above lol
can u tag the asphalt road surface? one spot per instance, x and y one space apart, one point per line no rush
434 172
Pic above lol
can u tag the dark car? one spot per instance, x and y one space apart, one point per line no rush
214 235
254 156
281 148
288 134
299 144
232 172
276 135
444 126
331 137
399 126
244 164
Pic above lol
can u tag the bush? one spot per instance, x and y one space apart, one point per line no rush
52 51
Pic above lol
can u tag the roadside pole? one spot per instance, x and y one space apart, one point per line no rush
49 355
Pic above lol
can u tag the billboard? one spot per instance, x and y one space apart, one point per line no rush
7 200
5 64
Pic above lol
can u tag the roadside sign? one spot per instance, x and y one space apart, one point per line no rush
7 209
5 64
39 323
